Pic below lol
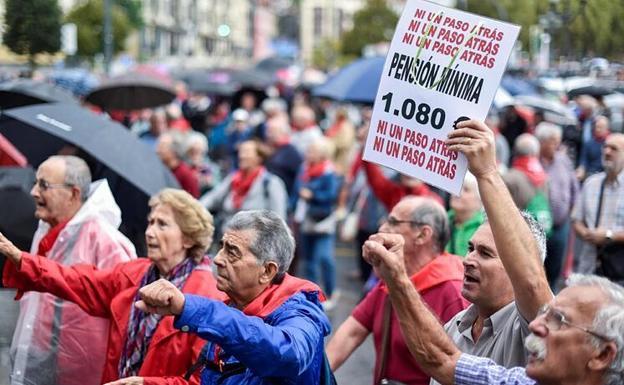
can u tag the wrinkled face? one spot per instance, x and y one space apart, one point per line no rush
486 283
53 203
248 157
236 268
410 232
568 344
164 238
468 200
613 154
548 147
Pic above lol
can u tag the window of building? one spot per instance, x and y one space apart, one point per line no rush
318 21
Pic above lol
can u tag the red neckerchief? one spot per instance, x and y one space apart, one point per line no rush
334 128
275 295
445 267
315 170
241 183
532 168
48 240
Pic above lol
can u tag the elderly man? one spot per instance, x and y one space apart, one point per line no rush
422 222
273 329
563 326
170 151
562 191
78 224
283 160
599 214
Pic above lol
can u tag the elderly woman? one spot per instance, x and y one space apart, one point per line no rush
142 349
317 188
250 187
272 331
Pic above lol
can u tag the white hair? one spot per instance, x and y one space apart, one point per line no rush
608 321
546 130
526 144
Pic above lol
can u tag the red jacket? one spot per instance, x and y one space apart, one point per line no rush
110 294
389 192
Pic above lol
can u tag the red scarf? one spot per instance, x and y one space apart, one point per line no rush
241 183
49 239
312 171
445 267
532 168
276 294
334 128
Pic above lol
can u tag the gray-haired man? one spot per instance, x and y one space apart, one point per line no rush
78 224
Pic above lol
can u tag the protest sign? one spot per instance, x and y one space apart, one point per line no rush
443 64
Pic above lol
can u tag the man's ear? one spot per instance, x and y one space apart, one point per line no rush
603 358
426 233
269 272
76 194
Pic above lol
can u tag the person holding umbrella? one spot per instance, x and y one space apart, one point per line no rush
141 348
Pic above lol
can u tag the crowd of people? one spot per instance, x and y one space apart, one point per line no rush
456 289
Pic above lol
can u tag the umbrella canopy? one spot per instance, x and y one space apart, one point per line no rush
132 91
215 82
554 111
26 92
357 82
592 90
17 221
518 86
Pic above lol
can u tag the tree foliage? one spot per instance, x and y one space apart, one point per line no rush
89 19
593 29
32 27
375 23
132 9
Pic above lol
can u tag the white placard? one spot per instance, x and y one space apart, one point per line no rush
443 64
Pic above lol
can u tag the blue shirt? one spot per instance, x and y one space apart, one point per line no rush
472 370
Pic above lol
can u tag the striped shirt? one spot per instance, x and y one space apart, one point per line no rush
472 370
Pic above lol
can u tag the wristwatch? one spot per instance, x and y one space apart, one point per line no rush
609 235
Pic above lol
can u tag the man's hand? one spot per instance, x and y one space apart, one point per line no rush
10 250
475 140
597 236
161 297
305 194
385 252
127 381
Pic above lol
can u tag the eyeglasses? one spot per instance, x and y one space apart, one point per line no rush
555 319
392 221
44 185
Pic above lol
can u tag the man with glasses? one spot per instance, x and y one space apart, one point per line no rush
423 224
55 342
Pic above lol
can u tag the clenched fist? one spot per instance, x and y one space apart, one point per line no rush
161 297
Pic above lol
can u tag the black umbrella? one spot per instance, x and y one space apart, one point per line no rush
25 92
593 90
133 91
132 169
17 221
215 82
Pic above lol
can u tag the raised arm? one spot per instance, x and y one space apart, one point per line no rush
516 245
424 336
384 189
82 284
